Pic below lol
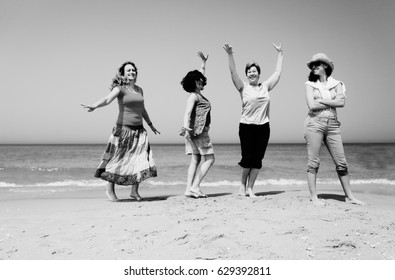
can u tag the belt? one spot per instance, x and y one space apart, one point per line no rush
329 109
323 118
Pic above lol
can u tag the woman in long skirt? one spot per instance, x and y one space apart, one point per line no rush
127 159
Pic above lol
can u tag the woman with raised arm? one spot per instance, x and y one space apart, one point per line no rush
127 159
323 95
195 129
254 127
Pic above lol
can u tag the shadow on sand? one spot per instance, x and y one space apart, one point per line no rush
269 193
146 199
337 197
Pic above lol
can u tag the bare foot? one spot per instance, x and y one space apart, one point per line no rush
353 200
317 202
251 193
197 193
112 196
242 191
191 194
136 196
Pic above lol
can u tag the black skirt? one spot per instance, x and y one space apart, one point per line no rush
253 141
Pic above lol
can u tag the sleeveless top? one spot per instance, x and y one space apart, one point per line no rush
200 116
255 104
131 107
327 91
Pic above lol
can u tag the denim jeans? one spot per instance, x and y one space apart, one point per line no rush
318 130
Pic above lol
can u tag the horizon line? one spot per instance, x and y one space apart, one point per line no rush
176 143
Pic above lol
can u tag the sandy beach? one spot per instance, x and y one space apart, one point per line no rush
281 224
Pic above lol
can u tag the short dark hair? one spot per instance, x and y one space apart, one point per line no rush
313 78
250 65
119 79
189 81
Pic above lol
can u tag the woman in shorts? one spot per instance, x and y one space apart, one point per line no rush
197 121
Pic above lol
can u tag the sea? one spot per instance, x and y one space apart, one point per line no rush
67 168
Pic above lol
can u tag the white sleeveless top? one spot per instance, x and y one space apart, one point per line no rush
255 104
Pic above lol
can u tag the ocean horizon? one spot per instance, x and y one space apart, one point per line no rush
70 167
181 143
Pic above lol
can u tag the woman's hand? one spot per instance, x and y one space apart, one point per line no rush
186 132
278 48
154 130
228 48
89 107
202 56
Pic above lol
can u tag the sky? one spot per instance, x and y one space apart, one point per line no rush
55 55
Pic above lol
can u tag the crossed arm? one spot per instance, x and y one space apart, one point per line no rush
339 101
317 104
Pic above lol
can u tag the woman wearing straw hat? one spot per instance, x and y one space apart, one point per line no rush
254 127
323 95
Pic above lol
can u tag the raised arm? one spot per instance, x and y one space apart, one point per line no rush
232 67
102 102
204 60
275 77
313 104
339 101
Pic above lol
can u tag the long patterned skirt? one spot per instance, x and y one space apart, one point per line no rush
127 159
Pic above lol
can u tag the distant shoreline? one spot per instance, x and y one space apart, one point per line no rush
181 144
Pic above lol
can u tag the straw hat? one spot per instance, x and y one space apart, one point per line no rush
322 58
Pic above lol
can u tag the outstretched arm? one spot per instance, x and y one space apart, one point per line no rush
275 77
204 60
102 102
232 66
